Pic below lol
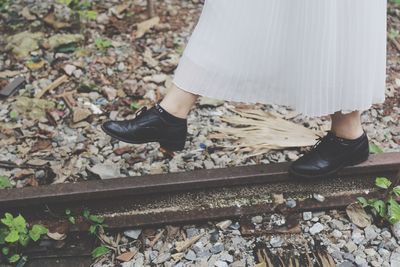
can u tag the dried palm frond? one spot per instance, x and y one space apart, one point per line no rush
258 132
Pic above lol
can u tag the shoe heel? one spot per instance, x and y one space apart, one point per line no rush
173 145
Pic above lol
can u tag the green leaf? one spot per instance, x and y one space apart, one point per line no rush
24 239
362 201
96 219
103 43
37 231
393 211
396 189
14 258
5 251
13 115
374 149
99 251
382 182
86 214
8 219
3 233
92 229
5 182
380 208
71 219
134 106
88 14
12 237
19 224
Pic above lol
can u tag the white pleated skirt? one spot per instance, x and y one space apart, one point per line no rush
315 56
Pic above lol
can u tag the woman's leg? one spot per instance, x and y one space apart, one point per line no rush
348 125
178 102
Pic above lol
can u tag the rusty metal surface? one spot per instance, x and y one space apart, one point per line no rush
179 181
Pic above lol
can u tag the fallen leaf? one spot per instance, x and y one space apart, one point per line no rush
145 26
357 215
127 256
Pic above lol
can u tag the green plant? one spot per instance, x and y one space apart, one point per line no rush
100 251
103 43
97 226
97 222
15 233
81 7
70 217
4 5
388 208
5 182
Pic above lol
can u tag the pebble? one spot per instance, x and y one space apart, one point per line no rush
220 263
257 219
134 234
316 228
370 233
224 225
290 203
276 241
190 255
350 247
307 215
217 248
319 197
357 238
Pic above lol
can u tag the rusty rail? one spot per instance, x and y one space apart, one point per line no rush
180 181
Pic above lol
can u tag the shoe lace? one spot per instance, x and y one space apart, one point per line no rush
321 139
140 112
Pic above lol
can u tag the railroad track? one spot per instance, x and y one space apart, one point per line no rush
187 197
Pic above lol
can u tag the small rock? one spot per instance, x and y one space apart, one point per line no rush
395 259
370 251
276 241
360 261
316 228
220 263
217 248
191 232
396 230
69 69
357 238
80 114
106 171
224 225
346 264
337 234
290 203
226 257
190 255
370 233
307 215
162 258
257 219
121 66
319 197
134 234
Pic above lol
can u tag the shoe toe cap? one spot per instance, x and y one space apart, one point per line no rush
304 169
111 127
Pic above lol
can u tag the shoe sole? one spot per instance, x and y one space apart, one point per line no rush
328 174
167 144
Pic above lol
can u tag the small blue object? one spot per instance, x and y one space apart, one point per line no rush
203 146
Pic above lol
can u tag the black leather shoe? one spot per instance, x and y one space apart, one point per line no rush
329 155
148 126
